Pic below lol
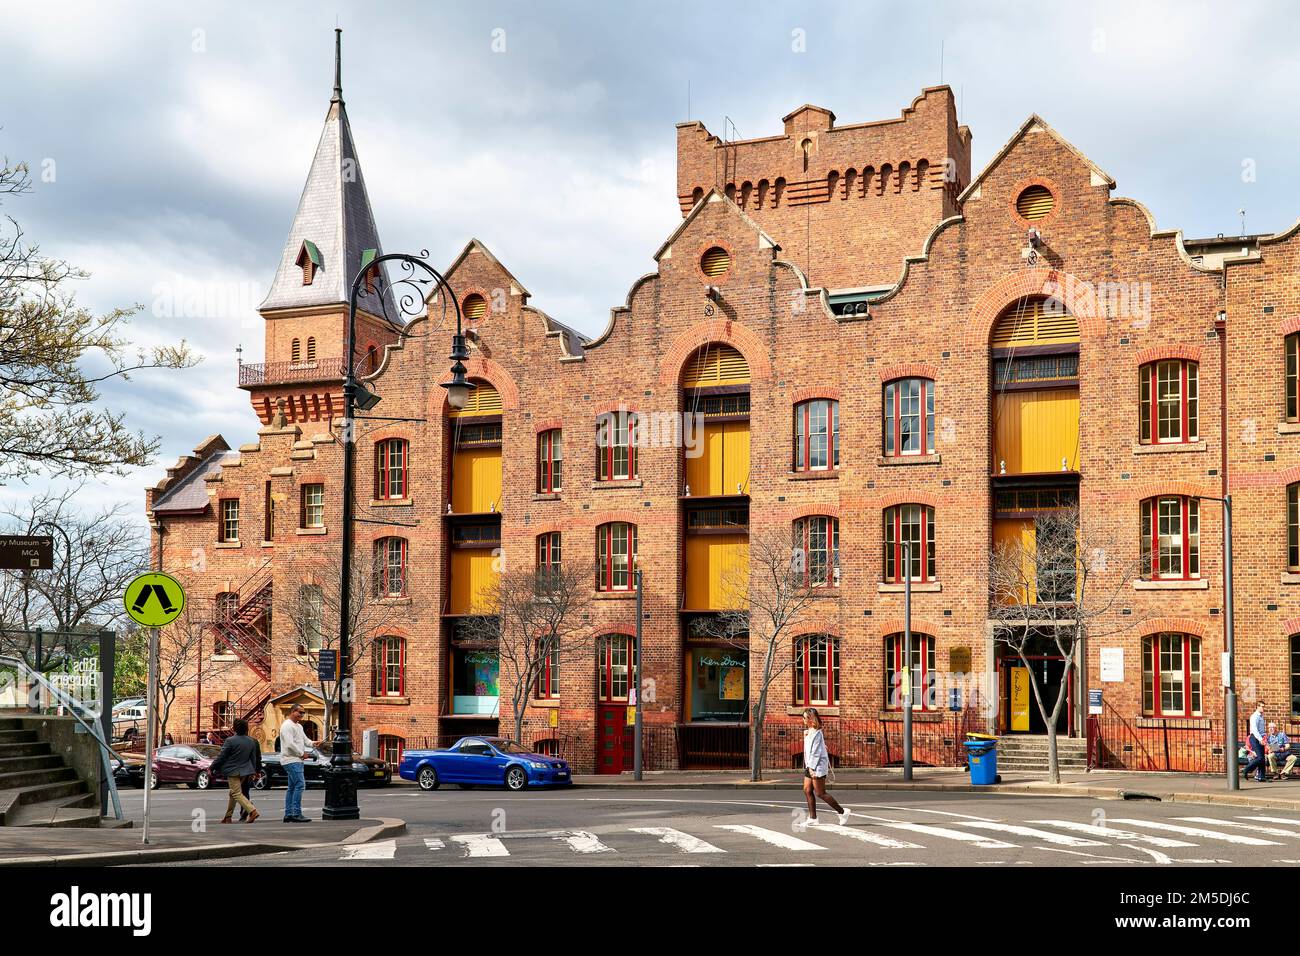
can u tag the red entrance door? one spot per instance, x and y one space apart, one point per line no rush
613 753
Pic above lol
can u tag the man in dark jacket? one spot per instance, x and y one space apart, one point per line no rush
247 784
238 759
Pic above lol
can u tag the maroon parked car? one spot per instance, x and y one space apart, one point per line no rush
188 764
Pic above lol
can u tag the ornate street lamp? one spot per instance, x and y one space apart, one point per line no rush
408 295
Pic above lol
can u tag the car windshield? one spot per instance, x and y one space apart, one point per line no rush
508 746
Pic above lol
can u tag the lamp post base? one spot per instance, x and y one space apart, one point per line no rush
341 782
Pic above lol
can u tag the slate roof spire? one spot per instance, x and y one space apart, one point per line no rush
334 220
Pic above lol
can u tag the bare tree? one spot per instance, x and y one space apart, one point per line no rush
93 564
533 616
180 645
1063 587
766 599
313 610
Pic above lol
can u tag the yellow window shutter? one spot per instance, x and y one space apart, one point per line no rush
715 261
1033 323
1035 203
716 364
483 400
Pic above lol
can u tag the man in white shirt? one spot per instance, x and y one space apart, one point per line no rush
294 745
1258 742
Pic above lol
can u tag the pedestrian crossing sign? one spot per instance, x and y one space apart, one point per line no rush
154 599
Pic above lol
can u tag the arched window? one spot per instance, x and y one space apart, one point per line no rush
1167 402
550 461
817 671
912 524
311 348
389 667
1293 377
372 357
817 543
615 556
390 567
311 619
390 469
805 148
295 351
549 553
909 417
920 671
817 435
614 671
1171 675
616 437
1171 537
547 686
1293 527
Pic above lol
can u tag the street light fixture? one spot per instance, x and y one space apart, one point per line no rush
414 292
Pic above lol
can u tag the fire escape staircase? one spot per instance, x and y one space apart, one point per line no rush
246 629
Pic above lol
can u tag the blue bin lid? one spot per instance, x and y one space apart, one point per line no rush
980 746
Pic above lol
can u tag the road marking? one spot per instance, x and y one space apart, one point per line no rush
1113 834
867 836
1273 819
433 843
1162 858
786 864
681 841
1044 835
1198 831
944 833
481 844
384 850
1092 857
774 837
1256 828
583 841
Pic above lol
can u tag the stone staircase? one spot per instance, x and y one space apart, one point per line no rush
37 787
1019 752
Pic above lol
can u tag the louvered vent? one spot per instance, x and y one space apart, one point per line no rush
483 400
1036 322
474 307
715 262
1035 203
716 365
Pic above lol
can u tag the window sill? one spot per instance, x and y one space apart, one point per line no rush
546 702
909 459
391 502
1194 584
224 658
924 716
798 709
392 601
320 530
1290 577
268 544
828 474
1172 447
228 544
389 701
613 595
918 587
1288 428
547 496
616 483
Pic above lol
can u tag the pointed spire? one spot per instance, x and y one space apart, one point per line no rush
338 66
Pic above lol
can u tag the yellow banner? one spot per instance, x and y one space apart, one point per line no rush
1020 698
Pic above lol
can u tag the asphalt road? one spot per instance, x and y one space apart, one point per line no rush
589 826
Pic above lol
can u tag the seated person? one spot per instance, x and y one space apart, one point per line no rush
1279 745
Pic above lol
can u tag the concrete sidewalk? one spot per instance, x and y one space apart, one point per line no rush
1099 784
174 841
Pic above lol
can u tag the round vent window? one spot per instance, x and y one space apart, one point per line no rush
715 262
474 306
1035 203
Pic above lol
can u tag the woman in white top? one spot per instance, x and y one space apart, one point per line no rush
817 764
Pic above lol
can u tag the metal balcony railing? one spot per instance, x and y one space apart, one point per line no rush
280 373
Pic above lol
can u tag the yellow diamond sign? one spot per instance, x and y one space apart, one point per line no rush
154 599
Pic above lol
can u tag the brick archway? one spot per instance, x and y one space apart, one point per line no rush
1179 625
1075 294
741 338
493 373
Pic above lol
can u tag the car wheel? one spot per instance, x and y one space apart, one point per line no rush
262 783
154 782
202 780
516 778
130 734
427 778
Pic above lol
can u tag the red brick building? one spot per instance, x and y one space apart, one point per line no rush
884 348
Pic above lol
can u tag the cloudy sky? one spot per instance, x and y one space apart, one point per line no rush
169 142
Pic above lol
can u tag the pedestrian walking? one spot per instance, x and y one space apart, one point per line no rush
816 767
293 747
238 761
1258 742
246 785
1279 746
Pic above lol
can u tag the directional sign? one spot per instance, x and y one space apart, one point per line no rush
154 599
26 552
327 665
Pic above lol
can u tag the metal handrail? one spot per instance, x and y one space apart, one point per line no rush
92 727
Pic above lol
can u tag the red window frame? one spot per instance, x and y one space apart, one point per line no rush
605 667
550 471
605 557
803 671
893 543
1149 403
893 412
1192 680
921 691
607 430
1189 509
384 570
550 551
803 536
380 671
547 686
388 741
803 435
392 456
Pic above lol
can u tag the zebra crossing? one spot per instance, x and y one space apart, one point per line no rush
868 839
